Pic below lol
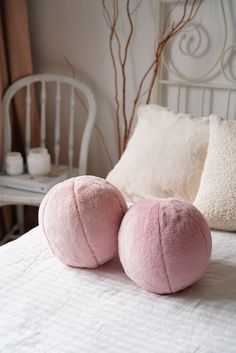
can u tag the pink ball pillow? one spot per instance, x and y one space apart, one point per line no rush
164 245
80 218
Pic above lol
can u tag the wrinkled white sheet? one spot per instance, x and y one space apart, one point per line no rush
48 307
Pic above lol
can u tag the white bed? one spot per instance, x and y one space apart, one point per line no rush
46 306
49 307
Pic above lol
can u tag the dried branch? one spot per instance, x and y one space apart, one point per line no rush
123 66
175 29
190 9
70 65
112 25
105 145
136 7
80 99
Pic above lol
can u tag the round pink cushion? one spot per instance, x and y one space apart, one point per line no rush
80 218
164 245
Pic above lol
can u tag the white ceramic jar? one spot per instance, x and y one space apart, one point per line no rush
14 163
38 161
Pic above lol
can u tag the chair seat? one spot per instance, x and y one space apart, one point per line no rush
19 197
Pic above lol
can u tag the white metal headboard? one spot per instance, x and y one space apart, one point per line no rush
197 75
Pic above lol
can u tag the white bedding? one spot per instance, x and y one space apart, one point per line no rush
48 307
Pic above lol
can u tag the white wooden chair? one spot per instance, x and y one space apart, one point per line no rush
9 196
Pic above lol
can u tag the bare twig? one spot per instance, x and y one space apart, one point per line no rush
110 25
136 7
113 23
123 67
190 9
70 65
73 71
78 96
185 19
105 145
175 28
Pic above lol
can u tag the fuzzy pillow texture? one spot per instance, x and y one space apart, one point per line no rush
164 157
164 245
80 218
216 197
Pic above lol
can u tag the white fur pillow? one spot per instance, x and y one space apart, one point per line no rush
216 197
164 157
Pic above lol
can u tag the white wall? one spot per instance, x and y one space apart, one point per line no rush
77 28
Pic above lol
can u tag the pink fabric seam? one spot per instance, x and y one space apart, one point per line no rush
162 255
82 226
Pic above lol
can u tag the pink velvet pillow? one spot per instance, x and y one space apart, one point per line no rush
80 218
164 245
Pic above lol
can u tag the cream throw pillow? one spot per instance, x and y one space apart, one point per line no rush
216 197
164 157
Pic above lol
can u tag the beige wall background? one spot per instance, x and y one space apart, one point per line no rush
77 29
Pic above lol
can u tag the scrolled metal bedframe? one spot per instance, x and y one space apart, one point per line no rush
189 44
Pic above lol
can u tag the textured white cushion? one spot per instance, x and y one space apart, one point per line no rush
164 157
216 197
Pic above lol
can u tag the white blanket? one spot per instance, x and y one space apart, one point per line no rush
48 307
